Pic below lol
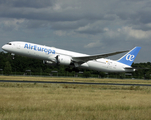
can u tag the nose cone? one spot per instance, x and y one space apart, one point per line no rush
3 47
6 47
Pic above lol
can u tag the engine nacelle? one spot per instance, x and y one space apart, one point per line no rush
48 62
63 60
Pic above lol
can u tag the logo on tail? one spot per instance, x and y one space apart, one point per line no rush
130 56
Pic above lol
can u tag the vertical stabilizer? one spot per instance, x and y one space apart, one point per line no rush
129 57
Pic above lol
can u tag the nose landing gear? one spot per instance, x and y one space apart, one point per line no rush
13 56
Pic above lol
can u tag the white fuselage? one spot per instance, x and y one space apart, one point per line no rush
49 54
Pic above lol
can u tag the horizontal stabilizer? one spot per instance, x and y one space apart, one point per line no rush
134 68
140 68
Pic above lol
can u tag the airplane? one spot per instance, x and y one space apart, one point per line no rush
55 56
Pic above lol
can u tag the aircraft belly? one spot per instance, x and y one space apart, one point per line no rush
99 66
103 66
84 65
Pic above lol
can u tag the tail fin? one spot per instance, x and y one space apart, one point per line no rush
129 57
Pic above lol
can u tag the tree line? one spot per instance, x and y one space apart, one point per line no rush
29 66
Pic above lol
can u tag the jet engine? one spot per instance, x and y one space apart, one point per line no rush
48 62
63 60
59 60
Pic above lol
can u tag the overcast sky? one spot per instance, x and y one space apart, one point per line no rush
85 26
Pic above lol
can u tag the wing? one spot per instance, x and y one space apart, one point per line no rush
94 57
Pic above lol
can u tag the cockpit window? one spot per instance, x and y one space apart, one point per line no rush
9 43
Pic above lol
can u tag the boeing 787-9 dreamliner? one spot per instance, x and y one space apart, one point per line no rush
55 56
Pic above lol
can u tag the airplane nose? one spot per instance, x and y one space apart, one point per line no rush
3 47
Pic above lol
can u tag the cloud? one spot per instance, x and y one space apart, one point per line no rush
11 24
93 44
60 33
89 30
128 32
111 24
137 34
27 3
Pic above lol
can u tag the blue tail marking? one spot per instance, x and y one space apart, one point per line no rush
129 58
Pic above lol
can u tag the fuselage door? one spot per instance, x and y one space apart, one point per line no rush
114 65
18 46
109 64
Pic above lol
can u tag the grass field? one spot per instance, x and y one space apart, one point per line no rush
35 101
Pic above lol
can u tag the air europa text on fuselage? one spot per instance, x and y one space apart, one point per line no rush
39 48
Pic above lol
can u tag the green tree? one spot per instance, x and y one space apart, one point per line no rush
7 68
102 74
87 74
